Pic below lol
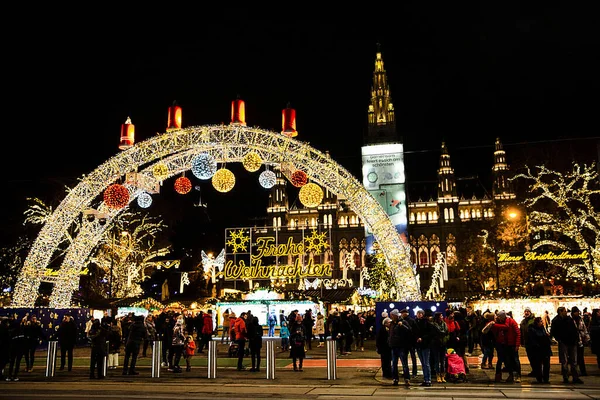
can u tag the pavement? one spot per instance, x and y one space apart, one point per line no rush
358 376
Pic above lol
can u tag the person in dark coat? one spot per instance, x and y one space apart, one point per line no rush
564 330
4 344
137 334
401 341
595 334
297 342
308 323
255 344
18 344
98 335
67 338
423 335
383 348
538 340
34 335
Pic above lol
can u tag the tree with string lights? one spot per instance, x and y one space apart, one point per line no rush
565 213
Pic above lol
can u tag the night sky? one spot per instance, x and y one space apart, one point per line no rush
460 73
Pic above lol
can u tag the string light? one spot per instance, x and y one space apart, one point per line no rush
144 200
299 178
182 146
223 180
310 195
183 185
204 166
267 179
252 162
116 196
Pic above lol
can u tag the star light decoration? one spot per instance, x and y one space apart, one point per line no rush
252 162
317 242
116 196
182 185
267 179
238 240
213 266
223 180
204 166
311 195
144 200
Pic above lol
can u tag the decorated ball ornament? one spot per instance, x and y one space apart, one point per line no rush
299 178
311 195
144 200
267 179
160 171
116 196
252 162
204 166
223 180
183 185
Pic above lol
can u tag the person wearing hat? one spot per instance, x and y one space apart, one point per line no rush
584 339
563 329
526 322
401 338
383 348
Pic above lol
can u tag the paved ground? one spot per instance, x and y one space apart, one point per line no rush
358 376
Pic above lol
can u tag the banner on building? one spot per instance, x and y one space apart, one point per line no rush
551 255
263 253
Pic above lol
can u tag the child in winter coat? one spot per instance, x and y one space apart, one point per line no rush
285 336
189 350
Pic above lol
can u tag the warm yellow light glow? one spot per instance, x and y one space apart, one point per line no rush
223 180
252 162
310 195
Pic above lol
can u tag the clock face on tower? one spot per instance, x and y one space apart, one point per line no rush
372 177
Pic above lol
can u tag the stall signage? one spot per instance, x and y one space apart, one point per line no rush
562 255
250 257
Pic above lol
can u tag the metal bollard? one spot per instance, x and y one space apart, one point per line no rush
270 344
156 358
105 369
212 359
51 358
331 347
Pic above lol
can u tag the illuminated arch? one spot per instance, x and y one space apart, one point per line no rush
176 149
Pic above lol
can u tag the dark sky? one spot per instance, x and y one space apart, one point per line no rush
460 73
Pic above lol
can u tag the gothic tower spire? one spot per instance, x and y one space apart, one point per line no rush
447 195
382 121
502 189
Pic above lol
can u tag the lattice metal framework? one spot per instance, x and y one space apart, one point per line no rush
176 149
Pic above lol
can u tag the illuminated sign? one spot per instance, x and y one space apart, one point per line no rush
563 255
383 177
53 272
250 257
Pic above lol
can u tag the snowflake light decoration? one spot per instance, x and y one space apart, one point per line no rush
316 242
144 200
204 166
267 179
238 241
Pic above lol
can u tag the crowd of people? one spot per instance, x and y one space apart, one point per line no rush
438 339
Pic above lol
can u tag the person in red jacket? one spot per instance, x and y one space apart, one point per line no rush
241 334
508 339
208 328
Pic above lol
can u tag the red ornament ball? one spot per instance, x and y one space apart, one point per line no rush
116 196
183 185
299 178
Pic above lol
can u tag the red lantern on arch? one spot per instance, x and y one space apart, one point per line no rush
183 185
299 178
116 196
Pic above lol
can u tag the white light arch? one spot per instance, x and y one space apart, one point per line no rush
176 149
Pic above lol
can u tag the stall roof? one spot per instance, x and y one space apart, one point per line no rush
331 296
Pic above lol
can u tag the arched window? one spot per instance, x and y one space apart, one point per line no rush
423 259
446 215
452 214
412 216
434 255
413 257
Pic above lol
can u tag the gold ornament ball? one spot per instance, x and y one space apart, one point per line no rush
223 180
160 171
311 195
252 162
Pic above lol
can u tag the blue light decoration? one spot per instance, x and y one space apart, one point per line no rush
267 179
204 166
144 200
